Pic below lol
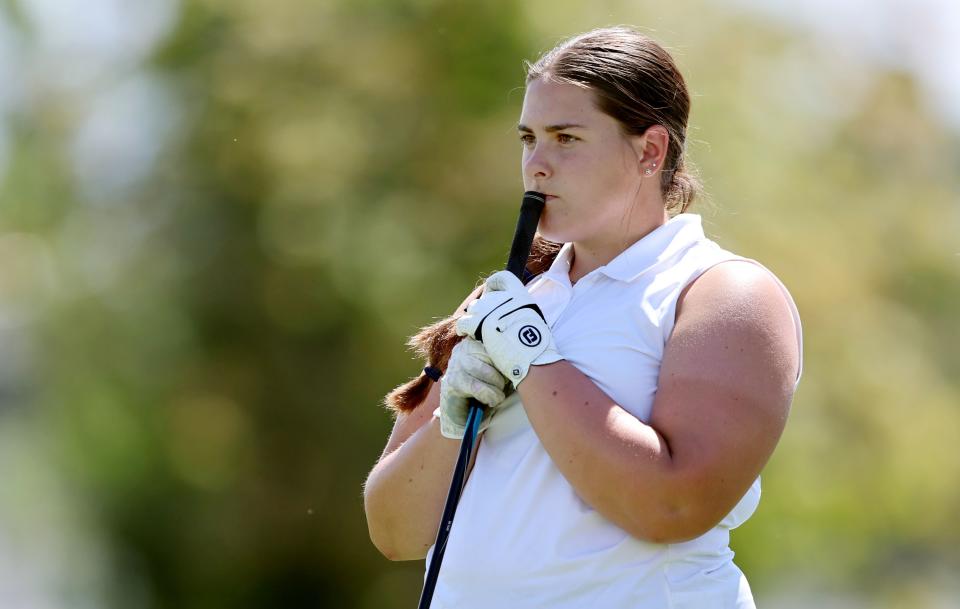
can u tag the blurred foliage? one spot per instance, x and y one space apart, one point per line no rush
193 368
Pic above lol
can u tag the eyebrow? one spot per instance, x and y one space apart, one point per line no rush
551 128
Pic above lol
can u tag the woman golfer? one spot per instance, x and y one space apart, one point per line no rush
637 384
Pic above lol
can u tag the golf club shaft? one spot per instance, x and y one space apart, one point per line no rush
530 210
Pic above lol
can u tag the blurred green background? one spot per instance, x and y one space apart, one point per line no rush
219 221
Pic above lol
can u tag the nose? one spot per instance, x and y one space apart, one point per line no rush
536 165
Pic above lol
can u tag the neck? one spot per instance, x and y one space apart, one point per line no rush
591 254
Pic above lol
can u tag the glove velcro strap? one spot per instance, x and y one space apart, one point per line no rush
532 305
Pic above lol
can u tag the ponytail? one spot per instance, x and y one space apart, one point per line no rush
435 342
681 188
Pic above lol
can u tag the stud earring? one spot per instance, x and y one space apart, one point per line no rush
647 172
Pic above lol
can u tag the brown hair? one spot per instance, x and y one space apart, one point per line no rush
636 82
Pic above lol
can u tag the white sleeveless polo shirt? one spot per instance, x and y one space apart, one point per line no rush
522 537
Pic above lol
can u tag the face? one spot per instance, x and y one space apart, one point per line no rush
579 157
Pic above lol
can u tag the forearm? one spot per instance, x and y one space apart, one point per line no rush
405 492
620 466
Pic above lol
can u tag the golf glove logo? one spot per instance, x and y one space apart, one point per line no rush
511 327
529 336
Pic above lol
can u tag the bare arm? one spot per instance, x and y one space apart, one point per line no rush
722 400
406 490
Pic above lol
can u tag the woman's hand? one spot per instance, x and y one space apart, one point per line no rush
470 374
510 326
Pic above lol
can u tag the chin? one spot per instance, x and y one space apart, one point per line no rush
559 225
555 236
547 232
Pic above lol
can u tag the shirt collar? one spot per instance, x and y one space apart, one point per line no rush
675 235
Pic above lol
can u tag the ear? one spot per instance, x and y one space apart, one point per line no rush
651 148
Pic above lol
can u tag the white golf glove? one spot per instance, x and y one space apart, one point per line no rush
510 326
470 374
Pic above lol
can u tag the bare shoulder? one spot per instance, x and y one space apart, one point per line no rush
735 284
742 305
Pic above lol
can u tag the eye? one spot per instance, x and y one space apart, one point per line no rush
526 139
566 138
